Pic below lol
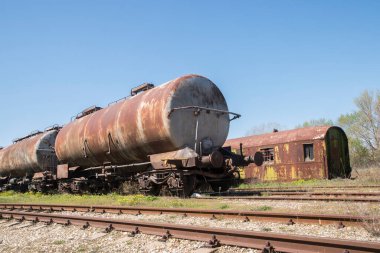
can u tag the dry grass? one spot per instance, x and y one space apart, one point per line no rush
367 176
372 226
370 217
129 188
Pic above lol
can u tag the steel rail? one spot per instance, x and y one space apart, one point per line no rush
295 188
351 199
364 194
306 193
215 236
288 218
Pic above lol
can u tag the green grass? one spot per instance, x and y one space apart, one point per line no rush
59 242
262 208
109 199
224 206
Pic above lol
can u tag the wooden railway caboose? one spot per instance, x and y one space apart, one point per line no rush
304 153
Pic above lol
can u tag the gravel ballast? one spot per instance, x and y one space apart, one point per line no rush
59 238
329 231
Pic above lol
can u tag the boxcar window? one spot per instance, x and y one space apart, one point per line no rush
308 150
268 154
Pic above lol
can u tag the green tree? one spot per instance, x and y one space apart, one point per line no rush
265 128
317 122
363 129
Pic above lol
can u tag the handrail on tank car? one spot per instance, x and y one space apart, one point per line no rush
53 127
208 110
134 91
118 166
114 102
33 133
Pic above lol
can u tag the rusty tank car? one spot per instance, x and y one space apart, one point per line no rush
158 120
168 136
162 139
27 159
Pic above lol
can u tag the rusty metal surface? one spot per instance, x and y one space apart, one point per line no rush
62 171
281 137
321 219
129 130
214 236
286 159
28 155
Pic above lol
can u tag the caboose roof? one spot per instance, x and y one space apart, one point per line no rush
294 135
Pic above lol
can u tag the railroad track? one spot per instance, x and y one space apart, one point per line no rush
306 188
268 242
365 194
293 193
355 194
302 198
246 216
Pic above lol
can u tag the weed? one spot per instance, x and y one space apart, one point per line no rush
224 206
82 248
266 229
59 242
151 198
262 208
134 200
176 203
372 226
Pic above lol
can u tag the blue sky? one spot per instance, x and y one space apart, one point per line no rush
275 61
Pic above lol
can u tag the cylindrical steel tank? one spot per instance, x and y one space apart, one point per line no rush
130 130
30 155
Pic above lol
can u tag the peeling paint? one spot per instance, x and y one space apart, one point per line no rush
290 162
29 155
130 130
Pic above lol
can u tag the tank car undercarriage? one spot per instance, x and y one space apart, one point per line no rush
177 173
181 183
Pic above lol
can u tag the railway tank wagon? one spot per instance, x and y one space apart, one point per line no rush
30 158
170 135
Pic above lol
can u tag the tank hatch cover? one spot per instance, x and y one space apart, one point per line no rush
141 88
88 111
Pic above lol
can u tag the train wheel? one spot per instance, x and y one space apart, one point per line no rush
189 185
182 186
62 187
220 186
154 190
165 191
147 187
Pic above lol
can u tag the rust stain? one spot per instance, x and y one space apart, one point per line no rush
30 154
298 154
130 130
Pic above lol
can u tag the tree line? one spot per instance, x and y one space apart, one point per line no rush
362 127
